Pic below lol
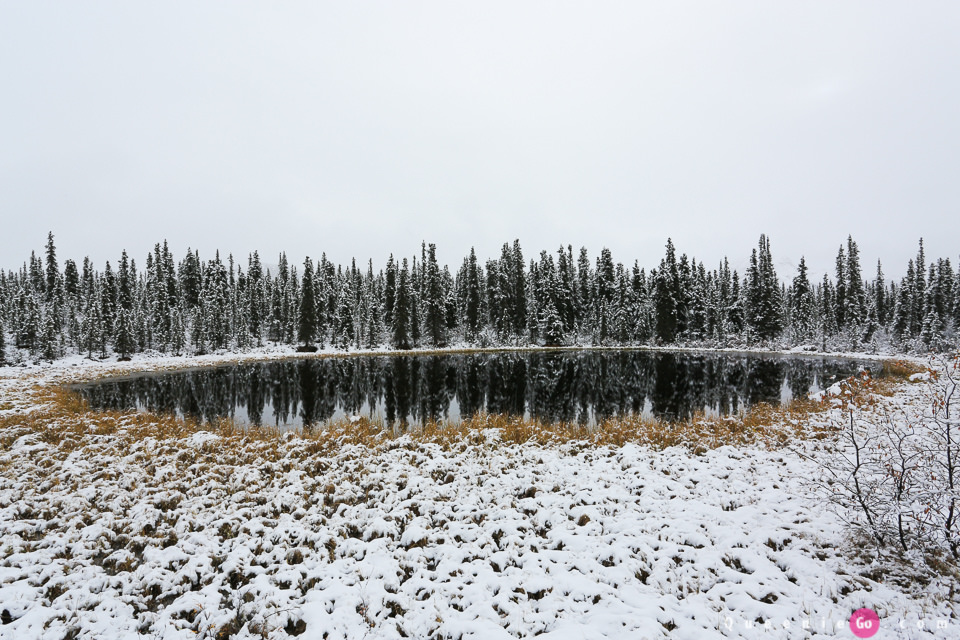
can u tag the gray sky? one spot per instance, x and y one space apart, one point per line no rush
361 129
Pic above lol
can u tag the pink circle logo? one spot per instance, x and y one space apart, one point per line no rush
864 623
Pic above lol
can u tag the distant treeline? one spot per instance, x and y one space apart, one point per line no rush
192 306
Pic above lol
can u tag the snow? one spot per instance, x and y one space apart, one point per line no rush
118 537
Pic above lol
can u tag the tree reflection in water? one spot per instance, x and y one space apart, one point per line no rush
570 386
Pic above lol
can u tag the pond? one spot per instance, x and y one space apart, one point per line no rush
582 386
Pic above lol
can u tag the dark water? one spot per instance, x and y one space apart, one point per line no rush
571 386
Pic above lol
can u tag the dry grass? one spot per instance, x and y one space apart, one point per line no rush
64 419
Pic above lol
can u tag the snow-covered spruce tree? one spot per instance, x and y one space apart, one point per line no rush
28 321
108 306
472 296
698 302
277 319
903 306
605 288
666 290
52 270
583 303
198 329
3 341
124 341
919 291
307 326
802 305
565 288
684 296
623 318
343 332
416 300
90 323
124 285
532 307
956 300
764 317
178 332
71 280
855 299
390 291
518 285
191 279
434 301
372 311
880 300
400 336
49 335
326 301
255 301
551 327
356 295
216 304
840 290
289 306
241 310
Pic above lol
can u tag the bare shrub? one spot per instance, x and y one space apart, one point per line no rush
894 473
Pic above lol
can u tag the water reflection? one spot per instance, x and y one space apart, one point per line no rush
574 386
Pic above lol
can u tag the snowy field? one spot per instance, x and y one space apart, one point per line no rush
105 534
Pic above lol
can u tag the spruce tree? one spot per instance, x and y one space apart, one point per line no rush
802 304
190 279
665 305
880 296
919 291
433 301
855 309
288 307
956 298
584 288
307 327
36 275
840 290
344 325
124 284
390 291
52 270
71 279
124 343
401 309
49 335
551 327
178 332
763 297
472 296
89 327
256 302
666 289
903 307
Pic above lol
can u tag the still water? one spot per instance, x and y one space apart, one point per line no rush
572 386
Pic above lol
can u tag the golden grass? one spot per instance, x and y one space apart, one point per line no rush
63 419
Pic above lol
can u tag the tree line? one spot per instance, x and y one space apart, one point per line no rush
196 306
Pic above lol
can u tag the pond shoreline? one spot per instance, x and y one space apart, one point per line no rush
148 362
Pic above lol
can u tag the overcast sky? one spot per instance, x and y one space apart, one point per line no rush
362 128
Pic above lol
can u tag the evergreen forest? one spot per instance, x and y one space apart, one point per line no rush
194 306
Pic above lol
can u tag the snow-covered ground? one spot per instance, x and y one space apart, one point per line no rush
107 535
